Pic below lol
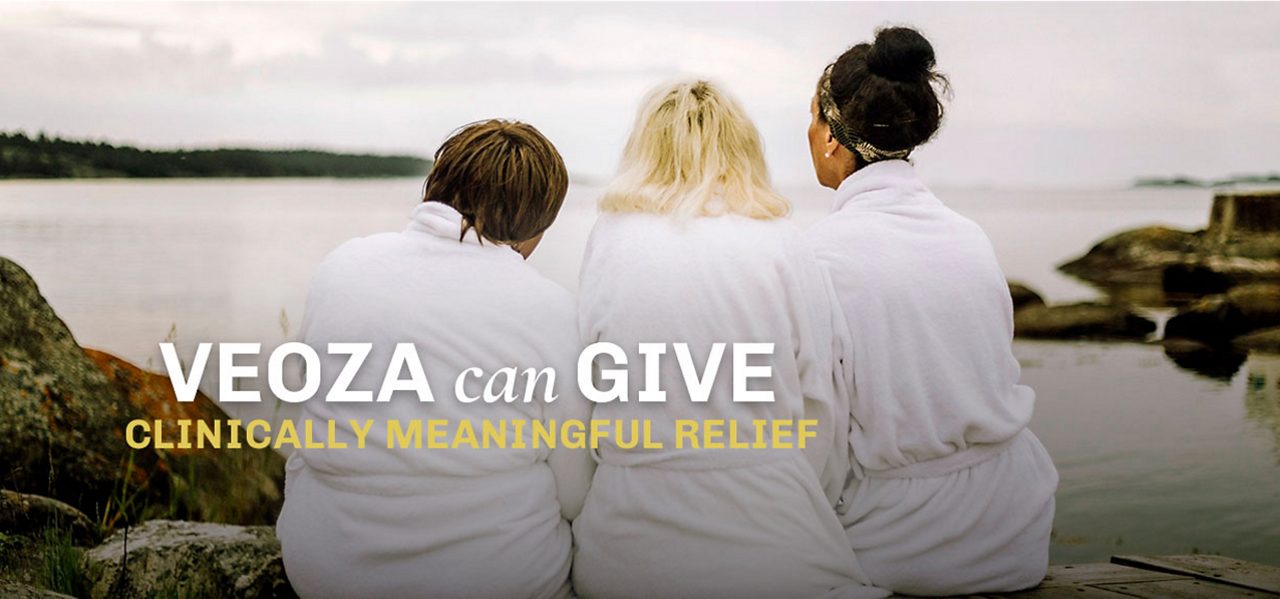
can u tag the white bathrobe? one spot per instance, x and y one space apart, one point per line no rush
700 523
425 522
951 494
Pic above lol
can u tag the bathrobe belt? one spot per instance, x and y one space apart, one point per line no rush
415 485
692 459
966 458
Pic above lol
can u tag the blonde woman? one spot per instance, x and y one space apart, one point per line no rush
692 247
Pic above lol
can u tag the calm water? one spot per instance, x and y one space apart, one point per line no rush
1154 459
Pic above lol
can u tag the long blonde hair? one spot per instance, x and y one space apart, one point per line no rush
693 152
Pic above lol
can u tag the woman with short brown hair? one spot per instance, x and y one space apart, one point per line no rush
422 522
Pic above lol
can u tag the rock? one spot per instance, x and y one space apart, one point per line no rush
1265 340
1193 278
1081 321
1259 304
188 559
1137 256
1024 296
63 412
24 514
241 486
1212 319
13 590
1219 318
1241 244
60 419
1237 213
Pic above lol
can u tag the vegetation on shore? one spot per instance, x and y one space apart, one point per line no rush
1184 181
41 157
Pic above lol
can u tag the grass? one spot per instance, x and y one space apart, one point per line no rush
59 568
126 501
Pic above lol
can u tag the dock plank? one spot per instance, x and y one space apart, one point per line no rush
1061 592
1078 574
1152 577
1250 575
1189 588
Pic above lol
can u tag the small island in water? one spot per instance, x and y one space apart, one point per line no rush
41 157
1185 181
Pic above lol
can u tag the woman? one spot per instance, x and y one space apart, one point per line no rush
951 493
692 247
456 522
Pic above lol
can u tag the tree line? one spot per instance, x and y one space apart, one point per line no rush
41 157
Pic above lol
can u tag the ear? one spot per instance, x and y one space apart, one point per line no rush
831 146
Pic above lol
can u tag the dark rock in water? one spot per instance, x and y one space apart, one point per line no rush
1238 213
1214 361
170 558
63 414
1024 296
1241 244
1265 340
1081 321
1212 319
1137 256
22 514
1193 279
13 590
1219 318
1259 303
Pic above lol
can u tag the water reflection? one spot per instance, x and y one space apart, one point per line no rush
1216 362
1262 394
1158 303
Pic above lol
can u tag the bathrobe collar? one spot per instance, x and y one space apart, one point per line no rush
442 221
880 185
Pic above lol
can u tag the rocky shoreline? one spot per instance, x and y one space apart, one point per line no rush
72 480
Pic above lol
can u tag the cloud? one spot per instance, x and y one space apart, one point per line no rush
1085 93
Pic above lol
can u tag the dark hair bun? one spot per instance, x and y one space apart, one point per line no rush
901 54
888 92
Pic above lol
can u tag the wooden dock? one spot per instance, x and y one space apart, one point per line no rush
1159 577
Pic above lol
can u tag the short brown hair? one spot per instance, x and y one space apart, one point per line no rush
504 177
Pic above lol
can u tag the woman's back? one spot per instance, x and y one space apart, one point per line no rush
724 280
929 319
413 505
747 522
950 493
463 305
692 253
391 519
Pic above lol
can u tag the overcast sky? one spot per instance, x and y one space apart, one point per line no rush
1044 94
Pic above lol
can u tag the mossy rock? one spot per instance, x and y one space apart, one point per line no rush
188 559
1081 321
63 413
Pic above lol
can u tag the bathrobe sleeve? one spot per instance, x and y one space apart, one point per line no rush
573 469
819 354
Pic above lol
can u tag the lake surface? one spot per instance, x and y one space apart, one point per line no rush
1154 458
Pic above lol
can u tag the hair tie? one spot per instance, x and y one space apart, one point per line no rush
843 135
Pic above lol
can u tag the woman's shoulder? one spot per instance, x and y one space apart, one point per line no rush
643 226
357 253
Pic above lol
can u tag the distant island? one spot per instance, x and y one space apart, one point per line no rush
41 157
1183 181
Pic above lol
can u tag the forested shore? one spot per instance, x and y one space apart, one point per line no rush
41 157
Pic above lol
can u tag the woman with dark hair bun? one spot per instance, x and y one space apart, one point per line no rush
949 493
